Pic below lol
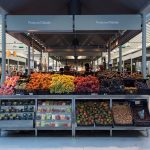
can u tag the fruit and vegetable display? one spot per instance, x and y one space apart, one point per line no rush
103 114
17 110
53 114
122 113
141 114
8 87
39 81
141 85
104 83
62 84
118 75
90 113
21 84
85 114
111 86
89 84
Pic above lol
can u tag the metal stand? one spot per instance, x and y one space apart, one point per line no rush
36 132
111 133
73 118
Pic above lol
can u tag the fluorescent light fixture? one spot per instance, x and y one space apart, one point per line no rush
82 57
69 57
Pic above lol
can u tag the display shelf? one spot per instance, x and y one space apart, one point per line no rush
16 112
16 124
73 99
54 128
93 128
49 120
130 128
54 113
16 106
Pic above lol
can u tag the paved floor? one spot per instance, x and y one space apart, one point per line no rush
84 141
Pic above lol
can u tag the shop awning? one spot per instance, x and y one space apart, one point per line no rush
86 41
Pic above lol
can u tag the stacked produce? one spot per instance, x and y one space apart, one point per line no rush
62 84
90 113
141 85
39 81
17 110
54 114
122 114
89 84
141 114
8 87
118 75
103 116
111 86
21 84
85 114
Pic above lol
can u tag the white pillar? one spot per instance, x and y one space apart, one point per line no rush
56 65
131 64
8 65
48 63
18 65
120 58
3 76
29 71
109 56
144 46
123 65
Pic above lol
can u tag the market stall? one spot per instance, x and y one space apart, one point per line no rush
107 101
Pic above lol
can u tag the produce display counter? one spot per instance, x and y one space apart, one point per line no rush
74 112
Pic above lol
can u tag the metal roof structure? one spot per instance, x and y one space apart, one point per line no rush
89 42
64 7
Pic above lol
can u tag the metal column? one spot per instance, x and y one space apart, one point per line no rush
29 71
144 46
8 65
120 58
123 66
3 48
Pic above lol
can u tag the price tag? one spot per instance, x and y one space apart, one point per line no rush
18 94
30 93
137 102
94 94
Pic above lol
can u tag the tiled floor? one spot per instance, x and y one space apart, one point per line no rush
126 141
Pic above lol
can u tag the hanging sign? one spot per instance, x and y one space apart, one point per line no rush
8 53
14 54
40 23
108 22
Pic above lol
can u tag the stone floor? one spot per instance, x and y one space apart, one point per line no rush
83 141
